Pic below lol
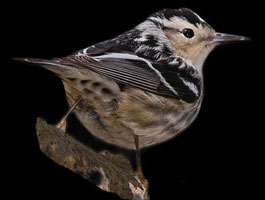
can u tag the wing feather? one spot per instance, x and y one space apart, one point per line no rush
126 69
117 62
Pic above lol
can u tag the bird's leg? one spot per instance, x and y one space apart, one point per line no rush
62 124
139 171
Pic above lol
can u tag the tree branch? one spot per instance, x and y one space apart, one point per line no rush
110 172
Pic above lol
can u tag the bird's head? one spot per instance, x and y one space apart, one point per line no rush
186 33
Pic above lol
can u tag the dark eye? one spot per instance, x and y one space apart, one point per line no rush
188 33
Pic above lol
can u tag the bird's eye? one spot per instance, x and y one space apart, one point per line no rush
188 33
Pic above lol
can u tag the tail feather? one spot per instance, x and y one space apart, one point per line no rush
38 61
54 65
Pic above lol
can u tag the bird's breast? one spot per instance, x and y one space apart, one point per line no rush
155 118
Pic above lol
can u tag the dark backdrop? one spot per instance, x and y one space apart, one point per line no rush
217 156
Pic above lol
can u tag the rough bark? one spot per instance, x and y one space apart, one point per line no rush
110 172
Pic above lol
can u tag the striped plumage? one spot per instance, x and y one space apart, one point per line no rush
147 81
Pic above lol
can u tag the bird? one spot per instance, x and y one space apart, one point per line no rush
142 87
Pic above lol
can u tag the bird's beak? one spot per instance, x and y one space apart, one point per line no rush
222 38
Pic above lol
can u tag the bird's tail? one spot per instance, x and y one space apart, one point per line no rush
64 70
55 65
52 64
38 61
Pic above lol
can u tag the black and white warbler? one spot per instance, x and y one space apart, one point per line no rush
145 84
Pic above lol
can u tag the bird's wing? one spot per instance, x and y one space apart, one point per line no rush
126 69
133 70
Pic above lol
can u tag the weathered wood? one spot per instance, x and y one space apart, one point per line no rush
110 172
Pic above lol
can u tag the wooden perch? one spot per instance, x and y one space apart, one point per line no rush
110 172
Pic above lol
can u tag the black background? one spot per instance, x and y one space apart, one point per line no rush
218 156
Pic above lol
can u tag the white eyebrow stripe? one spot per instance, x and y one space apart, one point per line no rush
135 57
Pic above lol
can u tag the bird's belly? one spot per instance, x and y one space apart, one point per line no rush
168 126
153 121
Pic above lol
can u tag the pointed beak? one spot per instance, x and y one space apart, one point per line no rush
222 38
